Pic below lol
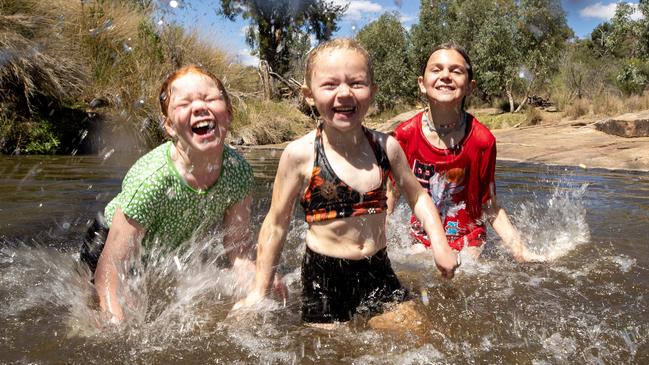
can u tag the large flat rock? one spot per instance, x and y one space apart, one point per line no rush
629 125
573 144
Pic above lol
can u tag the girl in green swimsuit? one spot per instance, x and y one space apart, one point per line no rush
178 190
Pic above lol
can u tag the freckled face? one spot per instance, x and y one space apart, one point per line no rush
198 114
341 88
446 78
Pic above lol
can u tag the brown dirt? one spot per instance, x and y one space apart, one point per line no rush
565 142
572 143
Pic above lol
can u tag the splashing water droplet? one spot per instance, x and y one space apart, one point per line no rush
108 154
173 4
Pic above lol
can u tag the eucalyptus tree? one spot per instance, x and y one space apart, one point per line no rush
386 41
432 29
543 33
497 52
277 27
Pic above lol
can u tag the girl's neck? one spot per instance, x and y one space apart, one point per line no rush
444 115
343 141
199 170
444 127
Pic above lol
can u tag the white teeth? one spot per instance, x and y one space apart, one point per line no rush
203 124
344 109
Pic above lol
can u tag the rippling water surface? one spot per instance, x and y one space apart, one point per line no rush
588 305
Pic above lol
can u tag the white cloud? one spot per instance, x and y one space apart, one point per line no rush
358 8
606 12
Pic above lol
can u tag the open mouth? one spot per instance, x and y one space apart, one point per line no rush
202 128
445 88
344 109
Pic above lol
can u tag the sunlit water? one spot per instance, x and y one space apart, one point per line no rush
588 305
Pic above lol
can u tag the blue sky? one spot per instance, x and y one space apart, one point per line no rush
201 16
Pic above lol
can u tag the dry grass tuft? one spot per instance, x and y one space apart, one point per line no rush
504 120
577 109
269 122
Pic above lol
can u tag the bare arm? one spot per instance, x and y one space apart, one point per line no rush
509 235
236 224
123 241
288 183
393 195
423 208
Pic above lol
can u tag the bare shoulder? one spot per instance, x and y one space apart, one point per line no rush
301 149
388 142
298 155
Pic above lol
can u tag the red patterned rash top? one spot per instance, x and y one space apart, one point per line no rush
459 180
328 197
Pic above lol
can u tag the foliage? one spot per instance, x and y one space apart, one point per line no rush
632 78
61 53
276 27
431 30
386 42
497 54
642 30
544 33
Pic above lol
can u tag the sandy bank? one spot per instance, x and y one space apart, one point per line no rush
572 143
569 143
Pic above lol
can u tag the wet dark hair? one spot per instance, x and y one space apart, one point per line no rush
452 46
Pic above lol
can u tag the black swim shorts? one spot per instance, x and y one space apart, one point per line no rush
93 244
335 289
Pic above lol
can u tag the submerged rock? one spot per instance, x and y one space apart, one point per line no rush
628 125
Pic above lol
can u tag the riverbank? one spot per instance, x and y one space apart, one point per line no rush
572 143
564 142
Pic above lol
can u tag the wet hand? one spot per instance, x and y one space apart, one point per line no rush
280 289
528 256
447 262
251 300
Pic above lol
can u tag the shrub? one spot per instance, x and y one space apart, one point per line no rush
632 78
577 108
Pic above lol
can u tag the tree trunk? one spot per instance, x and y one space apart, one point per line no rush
510 97
524 101
266 82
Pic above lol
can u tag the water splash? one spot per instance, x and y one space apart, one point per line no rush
556 226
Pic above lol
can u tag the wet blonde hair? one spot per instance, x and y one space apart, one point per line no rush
337 43
165 89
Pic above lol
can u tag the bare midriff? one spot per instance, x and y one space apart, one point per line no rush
352 238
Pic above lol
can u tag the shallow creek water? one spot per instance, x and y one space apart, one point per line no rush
588 305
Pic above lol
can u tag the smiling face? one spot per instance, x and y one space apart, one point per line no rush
340 87
446 78
198 113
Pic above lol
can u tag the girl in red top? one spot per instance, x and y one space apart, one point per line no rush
454 158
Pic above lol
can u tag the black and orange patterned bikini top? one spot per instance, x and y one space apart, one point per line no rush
327 197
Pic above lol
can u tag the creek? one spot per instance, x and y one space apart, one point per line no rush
587 305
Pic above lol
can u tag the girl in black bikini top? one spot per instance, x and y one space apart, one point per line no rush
328 197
